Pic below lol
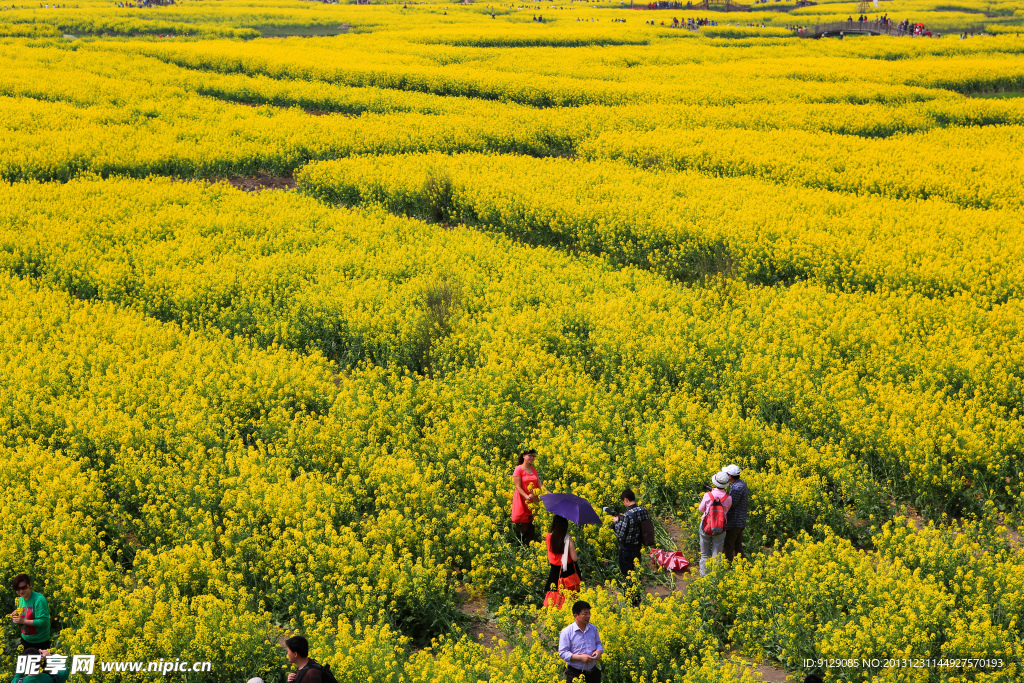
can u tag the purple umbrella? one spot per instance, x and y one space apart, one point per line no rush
573 508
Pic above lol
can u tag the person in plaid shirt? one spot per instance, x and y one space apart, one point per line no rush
736 520
628 531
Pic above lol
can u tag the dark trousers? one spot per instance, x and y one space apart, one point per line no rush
629 557
556 573
591 676
525 532
733 542
45 645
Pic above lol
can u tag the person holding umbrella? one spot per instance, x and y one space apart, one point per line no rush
562 556
526 481
561 550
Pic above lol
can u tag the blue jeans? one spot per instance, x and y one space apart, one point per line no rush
709 547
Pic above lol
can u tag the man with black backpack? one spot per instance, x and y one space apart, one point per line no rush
633 528
714 509
306 669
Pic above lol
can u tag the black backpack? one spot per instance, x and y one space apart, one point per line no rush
325 672
647 532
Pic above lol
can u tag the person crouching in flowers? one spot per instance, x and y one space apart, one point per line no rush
579 645
527 488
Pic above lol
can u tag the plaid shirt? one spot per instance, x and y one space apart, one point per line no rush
627 529
737 517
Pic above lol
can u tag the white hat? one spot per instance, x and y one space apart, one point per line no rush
257 679
732 470
720 480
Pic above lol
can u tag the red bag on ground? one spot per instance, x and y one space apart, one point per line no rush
673 561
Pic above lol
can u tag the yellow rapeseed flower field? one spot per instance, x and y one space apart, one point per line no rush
646 240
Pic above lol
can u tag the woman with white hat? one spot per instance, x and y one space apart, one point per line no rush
714 508
736 520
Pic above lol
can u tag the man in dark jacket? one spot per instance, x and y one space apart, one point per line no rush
306 670
736 520
629 532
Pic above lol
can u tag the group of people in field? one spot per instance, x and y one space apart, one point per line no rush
723 517
690 23
145 3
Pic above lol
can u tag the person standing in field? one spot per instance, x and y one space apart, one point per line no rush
560 546
579 646
630 532
714 508
526 481
31 613
736 520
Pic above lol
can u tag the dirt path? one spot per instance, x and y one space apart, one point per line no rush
261 182
764 672
484 631
482 628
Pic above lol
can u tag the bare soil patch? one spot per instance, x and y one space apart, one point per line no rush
771 674
261 182
482 628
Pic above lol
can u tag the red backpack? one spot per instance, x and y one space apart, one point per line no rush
713 523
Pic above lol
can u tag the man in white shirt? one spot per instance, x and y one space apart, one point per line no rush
579 645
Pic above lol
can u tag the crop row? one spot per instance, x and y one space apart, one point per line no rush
95 114
950 594
661 73
688 226
977 167
100 76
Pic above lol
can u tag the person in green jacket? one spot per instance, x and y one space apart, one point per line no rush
43 676
32 613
